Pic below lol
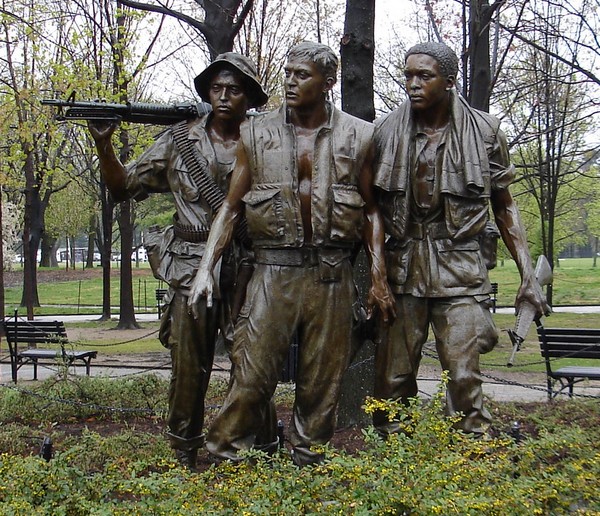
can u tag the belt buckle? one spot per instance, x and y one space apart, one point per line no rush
418 230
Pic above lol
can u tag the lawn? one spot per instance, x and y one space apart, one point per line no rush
80 291
576 282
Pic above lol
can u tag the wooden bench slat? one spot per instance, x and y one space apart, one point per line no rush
574 331
571 354
584 372
52 353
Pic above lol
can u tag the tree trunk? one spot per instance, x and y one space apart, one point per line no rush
222 21
48 251
89 260
479 55
67 253
127 309
357 58
105 248
32 231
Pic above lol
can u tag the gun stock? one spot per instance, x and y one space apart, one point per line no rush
134 112
526 315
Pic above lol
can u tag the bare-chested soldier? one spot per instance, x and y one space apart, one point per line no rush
303 177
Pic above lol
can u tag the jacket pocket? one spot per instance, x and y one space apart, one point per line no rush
264 213
394 212
460 263
331 263
187 186
347 214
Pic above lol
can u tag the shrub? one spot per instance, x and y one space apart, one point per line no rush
435 470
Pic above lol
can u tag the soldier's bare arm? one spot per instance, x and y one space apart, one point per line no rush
509 223
380 295
221 232
112 170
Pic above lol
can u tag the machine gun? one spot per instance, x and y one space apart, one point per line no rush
135 112
543 274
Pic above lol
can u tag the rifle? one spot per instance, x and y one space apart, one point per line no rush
543 274
135 112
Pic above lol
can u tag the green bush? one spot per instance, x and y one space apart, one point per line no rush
430 469
60 399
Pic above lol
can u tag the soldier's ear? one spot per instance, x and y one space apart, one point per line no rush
329 84
450 82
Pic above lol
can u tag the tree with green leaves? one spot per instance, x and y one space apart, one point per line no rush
29 58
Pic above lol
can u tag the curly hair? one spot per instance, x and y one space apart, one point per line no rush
321 55
443 54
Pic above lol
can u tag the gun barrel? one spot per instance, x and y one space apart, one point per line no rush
511 360
135 112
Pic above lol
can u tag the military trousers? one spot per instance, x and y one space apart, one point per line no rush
281 300
463 329
192 345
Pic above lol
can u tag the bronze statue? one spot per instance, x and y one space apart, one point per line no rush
439 166
189 160
303 177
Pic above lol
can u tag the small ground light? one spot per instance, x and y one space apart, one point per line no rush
46 449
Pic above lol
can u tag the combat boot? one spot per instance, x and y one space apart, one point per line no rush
187 458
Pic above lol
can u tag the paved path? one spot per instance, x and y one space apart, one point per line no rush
504 386
497 386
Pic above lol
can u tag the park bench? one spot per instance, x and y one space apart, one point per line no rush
562 343
33 333
160 297
494 296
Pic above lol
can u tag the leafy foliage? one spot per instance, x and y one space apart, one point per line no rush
434 470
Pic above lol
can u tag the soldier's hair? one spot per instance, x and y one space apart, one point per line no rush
323 57
443 54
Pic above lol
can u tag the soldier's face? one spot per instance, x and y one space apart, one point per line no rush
227 96
305 85
427 88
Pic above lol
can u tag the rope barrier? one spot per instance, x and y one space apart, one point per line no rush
121 343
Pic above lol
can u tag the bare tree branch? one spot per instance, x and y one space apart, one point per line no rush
588 73
197 24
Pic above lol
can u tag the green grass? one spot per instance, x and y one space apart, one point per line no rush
576 282
83 294
528 359
529 352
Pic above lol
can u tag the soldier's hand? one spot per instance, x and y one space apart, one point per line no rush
202 287
101 130
531 292
382 298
